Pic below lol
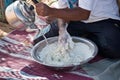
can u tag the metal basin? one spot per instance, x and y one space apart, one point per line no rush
40 45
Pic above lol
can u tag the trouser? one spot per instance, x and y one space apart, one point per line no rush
105 33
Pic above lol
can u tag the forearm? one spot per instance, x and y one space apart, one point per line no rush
75 14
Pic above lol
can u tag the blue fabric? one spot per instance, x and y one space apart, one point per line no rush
71 3
7 2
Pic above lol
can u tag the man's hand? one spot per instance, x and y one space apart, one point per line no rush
42 9
75 14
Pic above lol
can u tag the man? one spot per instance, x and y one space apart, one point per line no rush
99 19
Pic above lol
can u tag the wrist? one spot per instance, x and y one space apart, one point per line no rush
51 12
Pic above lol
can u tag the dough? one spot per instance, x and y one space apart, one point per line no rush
51 55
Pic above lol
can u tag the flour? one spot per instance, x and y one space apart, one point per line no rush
52 56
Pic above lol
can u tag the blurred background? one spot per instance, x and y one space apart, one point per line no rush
5 28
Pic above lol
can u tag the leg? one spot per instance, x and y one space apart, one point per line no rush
77 28
107 37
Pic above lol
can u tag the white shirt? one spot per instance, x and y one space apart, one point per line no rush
100 9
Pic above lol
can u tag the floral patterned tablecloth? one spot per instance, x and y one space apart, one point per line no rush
17 63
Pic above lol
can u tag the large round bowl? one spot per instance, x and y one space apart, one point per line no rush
40 45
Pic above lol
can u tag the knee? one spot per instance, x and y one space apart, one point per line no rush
110 54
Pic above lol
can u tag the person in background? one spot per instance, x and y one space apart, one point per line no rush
97 20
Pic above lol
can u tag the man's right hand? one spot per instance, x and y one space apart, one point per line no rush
42 9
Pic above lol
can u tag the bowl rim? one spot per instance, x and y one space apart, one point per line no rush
63 66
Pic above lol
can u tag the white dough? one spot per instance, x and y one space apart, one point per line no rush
52 56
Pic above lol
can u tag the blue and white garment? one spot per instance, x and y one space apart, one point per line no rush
72 3
67 3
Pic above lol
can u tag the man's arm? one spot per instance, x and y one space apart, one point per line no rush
75 14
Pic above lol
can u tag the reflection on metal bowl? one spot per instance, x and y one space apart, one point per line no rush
35 52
